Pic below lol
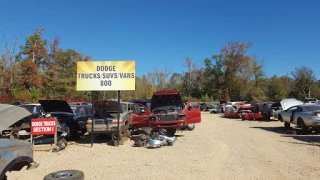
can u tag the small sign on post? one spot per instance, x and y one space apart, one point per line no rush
44 126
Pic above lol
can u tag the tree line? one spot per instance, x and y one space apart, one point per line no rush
40 69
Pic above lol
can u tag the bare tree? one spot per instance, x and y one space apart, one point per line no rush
8 55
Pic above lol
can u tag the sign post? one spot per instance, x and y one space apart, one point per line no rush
106 76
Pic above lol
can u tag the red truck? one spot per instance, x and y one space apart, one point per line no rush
168 112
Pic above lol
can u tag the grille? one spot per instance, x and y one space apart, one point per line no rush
102 121
167 117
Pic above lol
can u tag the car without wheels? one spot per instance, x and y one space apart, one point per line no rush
14 154
105 118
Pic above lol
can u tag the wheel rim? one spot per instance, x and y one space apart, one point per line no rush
62 175
115 136
191 125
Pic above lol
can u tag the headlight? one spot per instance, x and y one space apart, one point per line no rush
48 115
153 119
182 117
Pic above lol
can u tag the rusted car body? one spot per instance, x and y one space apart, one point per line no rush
14 154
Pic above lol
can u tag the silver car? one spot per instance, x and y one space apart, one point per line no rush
305 116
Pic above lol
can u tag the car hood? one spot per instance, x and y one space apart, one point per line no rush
50 106
10 114
287 103
245 107
166 98
107 105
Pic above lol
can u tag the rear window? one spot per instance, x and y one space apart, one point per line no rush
312 108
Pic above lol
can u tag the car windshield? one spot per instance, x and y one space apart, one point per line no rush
312 108
74 109
32 108
104 113
167 108
124 106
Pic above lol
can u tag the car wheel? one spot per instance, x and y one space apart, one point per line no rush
65 175
61 144
191 127
242 117
116 136
5 177
287 125
302 125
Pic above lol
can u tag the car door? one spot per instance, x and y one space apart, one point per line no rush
193 111
296 114
135 114
287 114
144 113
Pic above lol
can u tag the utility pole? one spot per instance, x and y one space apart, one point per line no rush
309 92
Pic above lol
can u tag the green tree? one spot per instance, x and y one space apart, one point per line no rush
304 81
276 90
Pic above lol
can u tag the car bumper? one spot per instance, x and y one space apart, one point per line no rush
104 128
168 124
33 165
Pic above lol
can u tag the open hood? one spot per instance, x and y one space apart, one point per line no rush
10 114
166 98
289 102
50 106
246 107
107 105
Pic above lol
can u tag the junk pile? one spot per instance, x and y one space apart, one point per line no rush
153 139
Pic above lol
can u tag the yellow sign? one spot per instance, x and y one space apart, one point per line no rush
106 75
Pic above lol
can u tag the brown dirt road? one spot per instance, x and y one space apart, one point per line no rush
218 148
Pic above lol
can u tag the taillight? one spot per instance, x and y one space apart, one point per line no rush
316 114
89 122
116 122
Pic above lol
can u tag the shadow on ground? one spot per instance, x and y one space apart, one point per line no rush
307 138
97 139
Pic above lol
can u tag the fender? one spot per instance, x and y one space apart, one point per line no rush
22 159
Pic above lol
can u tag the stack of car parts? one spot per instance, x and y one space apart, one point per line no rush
153 140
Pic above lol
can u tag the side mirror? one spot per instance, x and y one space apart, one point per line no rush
142 110
130 111
189 108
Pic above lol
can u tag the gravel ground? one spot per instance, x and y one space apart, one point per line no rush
218 148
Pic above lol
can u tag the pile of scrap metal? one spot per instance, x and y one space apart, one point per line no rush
151 139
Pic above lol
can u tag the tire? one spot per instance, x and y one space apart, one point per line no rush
242 117
116 136
61 144
65 175
302 125
191 127
287 125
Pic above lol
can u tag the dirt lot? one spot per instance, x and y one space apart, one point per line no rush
218 148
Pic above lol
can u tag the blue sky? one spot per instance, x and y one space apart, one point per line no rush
162 33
